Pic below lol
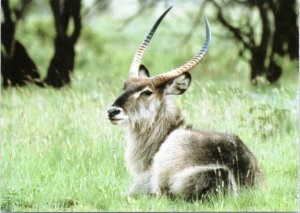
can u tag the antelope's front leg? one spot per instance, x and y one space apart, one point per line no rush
141 185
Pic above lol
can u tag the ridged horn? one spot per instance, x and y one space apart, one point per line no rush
164 77
134 69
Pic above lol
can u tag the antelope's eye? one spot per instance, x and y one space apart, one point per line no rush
147 92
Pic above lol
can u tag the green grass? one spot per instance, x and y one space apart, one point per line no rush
59 153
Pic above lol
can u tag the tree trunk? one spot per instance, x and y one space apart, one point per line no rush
17 68
62 62
286 30
256 64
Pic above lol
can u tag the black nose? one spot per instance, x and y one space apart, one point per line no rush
113 111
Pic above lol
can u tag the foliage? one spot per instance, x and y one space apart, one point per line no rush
277 35
59 153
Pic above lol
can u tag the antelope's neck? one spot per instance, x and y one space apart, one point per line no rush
146 135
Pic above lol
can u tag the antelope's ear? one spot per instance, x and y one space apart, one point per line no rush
179 85
143 71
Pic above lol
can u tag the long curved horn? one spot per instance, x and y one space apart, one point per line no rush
164 77
134 69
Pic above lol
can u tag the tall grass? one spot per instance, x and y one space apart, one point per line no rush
59 153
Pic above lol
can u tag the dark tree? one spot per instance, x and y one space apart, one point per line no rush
17 68
286 30
62 62
283 40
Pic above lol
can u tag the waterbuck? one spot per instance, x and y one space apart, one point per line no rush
164 155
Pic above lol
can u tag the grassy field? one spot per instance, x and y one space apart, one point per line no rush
59 153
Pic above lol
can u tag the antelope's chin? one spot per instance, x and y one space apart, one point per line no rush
116 121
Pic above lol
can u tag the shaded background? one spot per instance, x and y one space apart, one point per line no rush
253 39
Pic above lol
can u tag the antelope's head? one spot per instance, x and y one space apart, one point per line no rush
143 95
